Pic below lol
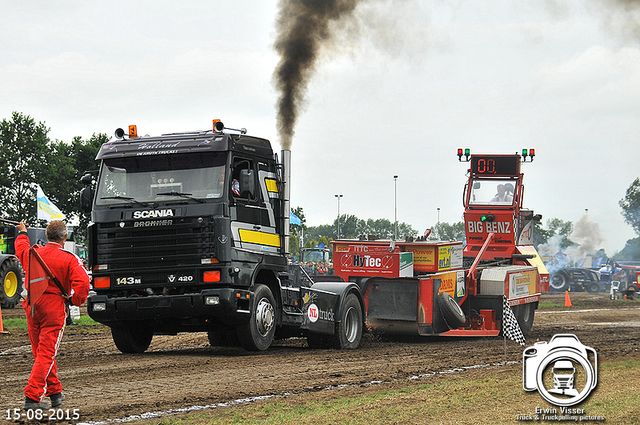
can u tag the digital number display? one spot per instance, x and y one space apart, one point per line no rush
495 165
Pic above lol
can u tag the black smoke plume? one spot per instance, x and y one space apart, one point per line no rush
303 28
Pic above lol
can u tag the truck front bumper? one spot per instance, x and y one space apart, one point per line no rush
226 303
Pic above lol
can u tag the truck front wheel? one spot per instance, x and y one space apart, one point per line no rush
132 337
11 278
257 334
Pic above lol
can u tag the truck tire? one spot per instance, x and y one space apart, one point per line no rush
525 314
11 278
559 282
257 334
132 337
451 311
349 329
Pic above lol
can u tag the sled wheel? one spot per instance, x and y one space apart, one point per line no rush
257 334
451 311
132 337
525 314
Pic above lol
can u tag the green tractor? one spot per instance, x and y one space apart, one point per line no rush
11 274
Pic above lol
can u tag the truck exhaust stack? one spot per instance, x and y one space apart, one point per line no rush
286 189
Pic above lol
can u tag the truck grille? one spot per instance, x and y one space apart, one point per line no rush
184 243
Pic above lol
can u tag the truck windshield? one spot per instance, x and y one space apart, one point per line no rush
162 178
315 256
491 192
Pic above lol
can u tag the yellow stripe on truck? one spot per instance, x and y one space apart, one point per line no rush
272 185
259 238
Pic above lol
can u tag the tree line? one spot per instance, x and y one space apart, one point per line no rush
559 230
28 157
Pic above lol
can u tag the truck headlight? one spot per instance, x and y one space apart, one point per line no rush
212 300
100 307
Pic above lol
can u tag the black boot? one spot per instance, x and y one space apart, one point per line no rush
31 404
57 399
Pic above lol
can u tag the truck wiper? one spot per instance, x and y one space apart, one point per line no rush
181 194
127 198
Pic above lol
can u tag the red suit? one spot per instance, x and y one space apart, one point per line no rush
47 324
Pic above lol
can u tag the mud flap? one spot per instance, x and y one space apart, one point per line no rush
319 310
392 305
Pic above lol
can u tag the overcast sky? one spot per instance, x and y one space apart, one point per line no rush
417 80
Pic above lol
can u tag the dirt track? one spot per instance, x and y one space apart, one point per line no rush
182 371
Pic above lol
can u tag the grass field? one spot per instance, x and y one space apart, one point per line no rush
20 323
472 397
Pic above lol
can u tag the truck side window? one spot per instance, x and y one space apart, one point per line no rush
243 181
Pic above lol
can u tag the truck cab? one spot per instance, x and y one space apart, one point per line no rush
189 233
497 227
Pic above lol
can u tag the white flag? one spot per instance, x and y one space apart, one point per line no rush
46 209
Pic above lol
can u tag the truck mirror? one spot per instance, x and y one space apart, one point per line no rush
86 199
86 179
247 183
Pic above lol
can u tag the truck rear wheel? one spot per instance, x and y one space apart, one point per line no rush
257 334
451 311
132 337
349 330
11 278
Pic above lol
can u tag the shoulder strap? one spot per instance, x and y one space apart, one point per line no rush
46 268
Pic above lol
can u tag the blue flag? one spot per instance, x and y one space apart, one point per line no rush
293 219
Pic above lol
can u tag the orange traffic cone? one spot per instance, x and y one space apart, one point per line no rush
567 299
2 331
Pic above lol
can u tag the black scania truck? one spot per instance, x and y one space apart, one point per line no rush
189 232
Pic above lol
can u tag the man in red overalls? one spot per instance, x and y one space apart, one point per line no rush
46 324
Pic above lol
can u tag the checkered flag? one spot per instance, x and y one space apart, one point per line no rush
510 326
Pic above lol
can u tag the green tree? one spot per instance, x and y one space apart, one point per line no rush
29 158
540 234
83 154
630 205
297 232
349 227
381 227
562 229
25 154
630 252
314 233
448 232
384 229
